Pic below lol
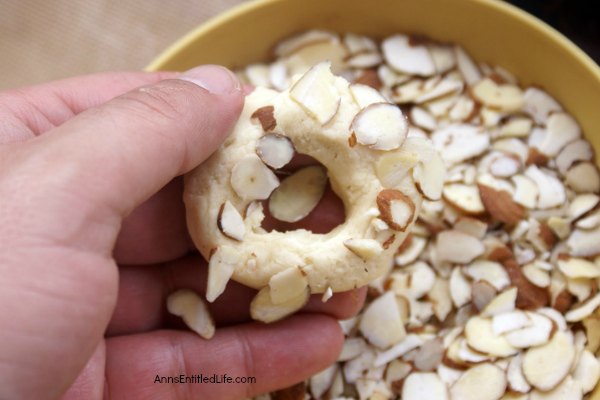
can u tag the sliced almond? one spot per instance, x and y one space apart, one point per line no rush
584 310
352 348
365 59
464 197
480 336
537 276
514 374
463 110
526 191
322 381
460 288
401 56
265 117
395 373
443 89
579 268
578 150
191 308
424 386
367 249
397 209
355 368
546 366
583 177
592 330
551 190
381 324
539 104
390 78
441 298
535 334
316 93
220 268
458 247
359 43
230 222
469 386
590 222
278 76
365 95
587 371
263 309
467 67
443 57
512 146
561 129
471 226
298 194
583 243
489 271
429 177
483 293
258 75
505 167
581 204
422 118
252 179
275 150
411 252
381 126
529 296
392 167
503 303
292 44
567 389
504 97
460 142
516 127
287 284
500 205
510 321
407 344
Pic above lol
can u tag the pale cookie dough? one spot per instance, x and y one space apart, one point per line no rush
379 174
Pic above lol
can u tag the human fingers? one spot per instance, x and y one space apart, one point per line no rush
273 356
143 291
30 111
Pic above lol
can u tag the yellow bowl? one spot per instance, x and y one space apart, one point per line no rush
490 30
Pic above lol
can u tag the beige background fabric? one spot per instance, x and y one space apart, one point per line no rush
42 40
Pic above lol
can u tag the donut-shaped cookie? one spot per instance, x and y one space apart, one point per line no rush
379 173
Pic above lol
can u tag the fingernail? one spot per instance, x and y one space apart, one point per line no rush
214 78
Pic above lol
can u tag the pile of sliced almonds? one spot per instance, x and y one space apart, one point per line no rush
494 295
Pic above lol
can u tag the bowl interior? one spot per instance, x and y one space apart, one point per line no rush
490 30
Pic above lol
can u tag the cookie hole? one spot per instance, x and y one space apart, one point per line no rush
328 213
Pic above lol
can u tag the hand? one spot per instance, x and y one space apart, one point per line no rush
93 239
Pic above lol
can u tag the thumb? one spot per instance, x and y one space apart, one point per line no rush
125 150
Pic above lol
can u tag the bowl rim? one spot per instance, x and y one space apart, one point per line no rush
499 6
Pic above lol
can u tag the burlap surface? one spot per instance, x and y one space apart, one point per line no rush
42 40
